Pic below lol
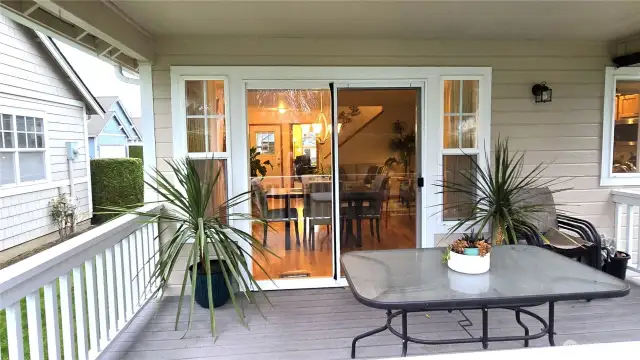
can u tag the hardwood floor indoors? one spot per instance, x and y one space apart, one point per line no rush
397 231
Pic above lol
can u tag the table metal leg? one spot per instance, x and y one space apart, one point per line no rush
485 328
367 334
405 341
526 329
552 315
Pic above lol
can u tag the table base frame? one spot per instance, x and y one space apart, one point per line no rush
485 339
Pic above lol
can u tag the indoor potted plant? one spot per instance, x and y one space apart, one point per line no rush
403 142
495 196
258 166
216 262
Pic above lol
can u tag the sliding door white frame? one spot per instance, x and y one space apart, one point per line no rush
239 77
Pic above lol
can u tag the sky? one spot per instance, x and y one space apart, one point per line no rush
100 78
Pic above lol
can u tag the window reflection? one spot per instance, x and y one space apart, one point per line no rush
625 133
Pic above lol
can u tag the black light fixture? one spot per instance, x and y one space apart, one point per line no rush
541 92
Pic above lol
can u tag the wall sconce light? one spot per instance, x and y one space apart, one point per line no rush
541 92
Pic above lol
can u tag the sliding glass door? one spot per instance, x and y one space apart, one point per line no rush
290 145
377 161
331 172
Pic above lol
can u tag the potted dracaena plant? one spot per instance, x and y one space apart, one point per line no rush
494 196
216 259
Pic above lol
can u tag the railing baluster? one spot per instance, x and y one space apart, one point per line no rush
81 315
142 273
102 301
156 248
68 342
122 316
134 272
126 251
618 224
630 216
51 317
14 332
111 293
149 255
92 308
34 320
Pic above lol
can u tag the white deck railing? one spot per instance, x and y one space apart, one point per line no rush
89 287
627 219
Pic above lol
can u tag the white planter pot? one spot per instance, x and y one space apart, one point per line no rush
468 264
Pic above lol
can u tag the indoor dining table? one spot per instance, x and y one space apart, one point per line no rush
354 197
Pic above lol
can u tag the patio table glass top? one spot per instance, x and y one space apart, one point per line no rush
519 275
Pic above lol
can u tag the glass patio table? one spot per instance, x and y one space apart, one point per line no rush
414 280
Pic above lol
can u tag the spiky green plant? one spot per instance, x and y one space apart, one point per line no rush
192 216
498 197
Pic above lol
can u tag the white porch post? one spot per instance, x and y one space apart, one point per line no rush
148 127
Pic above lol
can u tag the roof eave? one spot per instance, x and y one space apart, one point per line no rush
94 108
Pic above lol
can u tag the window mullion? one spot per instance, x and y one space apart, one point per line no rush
205 112
460 114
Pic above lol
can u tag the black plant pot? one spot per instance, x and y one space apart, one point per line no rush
617 265
219 288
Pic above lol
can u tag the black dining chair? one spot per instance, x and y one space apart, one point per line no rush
373 211
272 215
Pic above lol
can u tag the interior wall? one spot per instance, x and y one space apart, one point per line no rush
567 131
370 145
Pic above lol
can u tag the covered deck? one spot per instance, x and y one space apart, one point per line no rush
321 323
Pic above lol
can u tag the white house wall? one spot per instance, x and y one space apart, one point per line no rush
31 81
566 131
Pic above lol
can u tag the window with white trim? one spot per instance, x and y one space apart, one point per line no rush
460 138
621 132
205 107
22 149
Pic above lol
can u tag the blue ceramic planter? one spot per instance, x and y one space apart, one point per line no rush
472 251
219 288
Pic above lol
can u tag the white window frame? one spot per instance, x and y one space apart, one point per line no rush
483 136
14 112
607 176
179 124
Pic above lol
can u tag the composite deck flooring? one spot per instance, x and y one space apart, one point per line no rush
321 323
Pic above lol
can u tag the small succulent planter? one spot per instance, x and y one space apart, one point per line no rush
470 254
469 264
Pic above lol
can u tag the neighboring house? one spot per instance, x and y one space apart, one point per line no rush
111 135
43 105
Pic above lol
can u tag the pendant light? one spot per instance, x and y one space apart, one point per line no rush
321 126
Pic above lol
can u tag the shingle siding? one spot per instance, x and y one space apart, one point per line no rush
26 65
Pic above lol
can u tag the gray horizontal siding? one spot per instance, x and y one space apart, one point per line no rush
566 132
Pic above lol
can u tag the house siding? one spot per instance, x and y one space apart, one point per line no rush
566 132
26 68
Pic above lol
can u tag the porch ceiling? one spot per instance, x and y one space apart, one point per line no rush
553 20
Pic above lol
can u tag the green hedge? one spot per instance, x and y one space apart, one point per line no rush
115 182
135 152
